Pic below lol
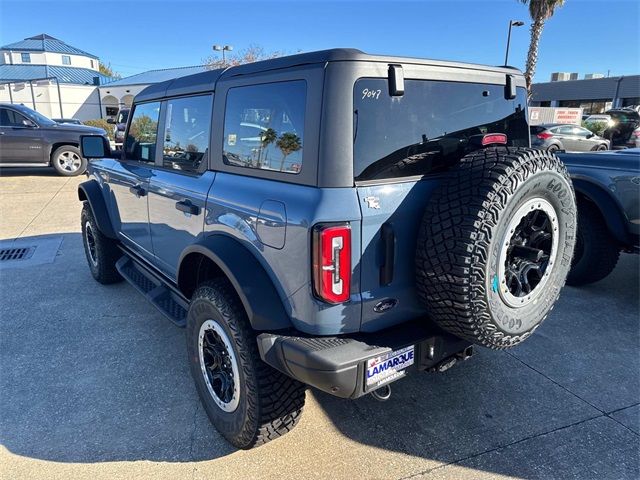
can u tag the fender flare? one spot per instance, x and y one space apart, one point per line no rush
91 193
253 285
609 208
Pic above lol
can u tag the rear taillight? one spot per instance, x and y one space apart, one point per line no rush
544 135
494 138
332 262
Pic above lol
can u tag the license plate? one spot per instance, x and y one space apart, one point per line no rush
388 367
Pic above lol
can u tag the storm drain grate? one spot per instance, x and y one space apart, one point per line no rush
21 253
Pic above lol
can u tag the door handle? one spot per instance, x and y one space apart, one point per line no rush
138 191
187 207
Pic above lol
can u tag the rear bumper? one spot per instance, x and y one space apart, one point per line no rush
338 365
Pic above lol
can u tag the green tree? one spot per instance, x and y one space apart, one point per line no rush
597 128
266 138
105 69
288 143
540 11
143 129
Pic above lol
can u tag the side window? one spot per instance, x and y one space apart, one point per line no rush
25 57
140 144
66 60
9 118
264 126
565 131
186 133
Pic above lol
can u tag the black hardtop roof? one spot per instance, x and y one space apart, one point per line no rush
205 81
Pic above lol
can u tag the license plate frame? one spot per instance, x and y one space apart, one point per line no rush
388 367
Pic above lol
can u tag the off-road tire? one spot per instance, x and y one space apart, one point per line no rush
270 403
102 262
73 151
597 252
463 229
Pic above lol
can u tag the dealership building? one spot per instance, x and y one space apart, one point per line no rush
593 95
63 81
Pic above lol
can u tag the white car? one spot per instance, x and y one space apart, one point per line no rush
599 118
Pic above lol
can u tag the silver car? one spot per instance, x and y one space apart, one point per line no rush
571 138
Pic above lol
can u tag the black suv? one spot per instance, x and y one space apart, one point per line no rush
332 219
29 139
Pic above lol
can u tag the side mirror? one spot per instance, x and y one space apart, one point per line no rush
590 135
28 123
112 121
94 146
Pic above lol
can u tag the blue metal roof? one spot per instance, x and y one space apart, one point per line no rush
155 76
45 43
22 72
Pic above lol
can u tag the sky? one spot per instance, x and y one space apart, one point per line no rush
584 36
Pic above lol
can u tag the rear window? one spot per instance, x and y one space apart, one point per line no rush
428 128
536 130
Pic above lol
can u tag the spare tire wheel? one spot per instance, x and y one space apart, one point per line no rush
495 245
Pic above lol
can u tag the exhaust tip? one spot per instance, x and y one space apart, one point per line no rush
382 394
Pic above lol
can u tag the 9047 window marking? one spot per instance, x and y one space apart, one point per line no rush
372 94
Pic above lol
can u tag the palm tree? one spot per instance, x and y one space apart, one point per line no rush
288 143
266 138
540 11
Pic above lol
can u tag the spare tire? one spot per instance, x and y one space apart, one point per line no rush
495 245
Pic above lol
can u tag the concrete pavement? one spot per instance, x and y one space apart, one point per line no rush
94 384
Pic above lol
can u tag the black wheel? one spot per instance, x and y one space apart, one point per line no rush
553 148
67 161
102 252
495 245
601 148
249 402
597 252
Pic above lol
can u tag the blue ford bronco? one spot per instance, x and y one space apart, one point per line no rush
332 219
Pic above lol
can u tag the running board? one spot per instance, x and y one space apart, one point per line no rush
170 303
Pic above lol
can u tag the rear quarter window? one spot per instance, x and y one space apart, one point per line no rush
427 128
264 126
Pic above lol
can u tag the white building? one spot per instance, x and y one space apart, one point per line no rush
52 77
61 81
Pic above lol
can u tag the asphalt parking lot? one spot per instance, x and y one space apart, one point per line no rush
94 384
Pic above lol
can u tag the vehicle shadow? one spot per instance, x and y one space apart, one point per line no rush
557 378
92 373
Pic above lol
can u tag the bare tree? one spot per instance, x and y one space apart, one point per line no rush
253 53
540 11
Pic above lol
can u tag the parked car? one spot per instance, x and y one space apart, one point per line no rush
29 139
571 138
607 189
73 121
599 118
625 131
119 125
323 220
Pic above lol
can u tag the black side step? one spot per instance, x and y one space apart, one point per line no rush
172 304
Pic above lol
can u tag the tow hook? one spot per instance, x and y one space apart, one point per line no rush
382 394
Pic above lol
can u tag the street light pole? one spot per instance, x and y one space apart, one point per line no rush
512 23
223 48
